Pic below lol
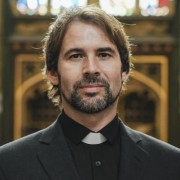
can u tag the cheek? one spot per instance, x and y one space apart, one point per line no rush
114 72
64 76
67 82
69 72
116 80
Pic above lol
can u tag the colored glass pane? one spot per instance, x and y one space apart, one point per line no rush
32 7
156 7
114 7
118 7
59 5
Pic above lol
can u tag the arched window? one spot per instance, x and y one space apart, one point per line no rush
138 7
114 7
44 7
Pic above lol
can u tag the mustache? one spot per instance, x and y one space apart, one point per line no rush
91 79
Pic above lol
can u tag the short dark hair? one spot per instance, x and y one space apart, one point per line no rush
90 14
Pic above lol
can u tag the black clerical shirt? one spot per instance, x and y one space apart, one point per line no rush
94 162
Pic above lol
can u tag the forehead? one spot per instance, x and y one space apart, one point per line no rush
78 23
85 30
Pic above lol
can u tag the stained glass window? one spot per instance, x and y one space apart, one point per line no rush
58 5
138 7
154 7
118 7
114 7
32 7
44 7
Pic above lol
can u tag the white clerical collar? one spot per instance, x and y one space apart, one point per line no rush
94 138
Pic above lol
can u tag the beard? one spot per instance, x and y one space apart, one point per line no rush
90 102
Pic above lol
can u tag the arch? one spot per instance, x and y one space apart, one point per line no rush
162 122
19 94
149 83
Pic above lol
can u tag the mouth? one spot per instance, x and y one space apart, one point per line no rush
91 88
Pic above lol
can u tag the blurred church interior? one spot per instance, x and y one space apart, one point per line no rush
151 103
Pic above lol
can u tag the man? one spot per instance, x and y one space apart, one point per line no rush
87 61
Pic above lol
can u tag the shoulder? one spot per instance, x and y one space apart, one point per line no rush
162 157
27 144
19 154
20 146
153 145
19 159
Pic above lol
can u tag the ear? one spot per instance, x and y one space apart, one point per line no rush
52 76
125 76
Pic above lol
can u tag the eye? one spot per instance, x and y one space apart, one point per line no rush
76 56
104 55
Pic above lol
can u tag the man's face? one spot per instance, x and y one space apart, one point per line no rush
89 69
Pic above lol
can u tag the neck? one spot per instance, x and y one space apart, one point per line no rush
95 121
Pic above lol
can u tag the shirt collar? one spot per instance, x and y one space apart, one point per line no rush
76 132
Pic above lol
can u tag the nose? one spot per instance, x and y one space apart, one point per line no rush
91 66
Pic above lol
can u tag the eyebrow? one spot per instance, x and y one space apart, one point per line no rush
105 49
73 50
